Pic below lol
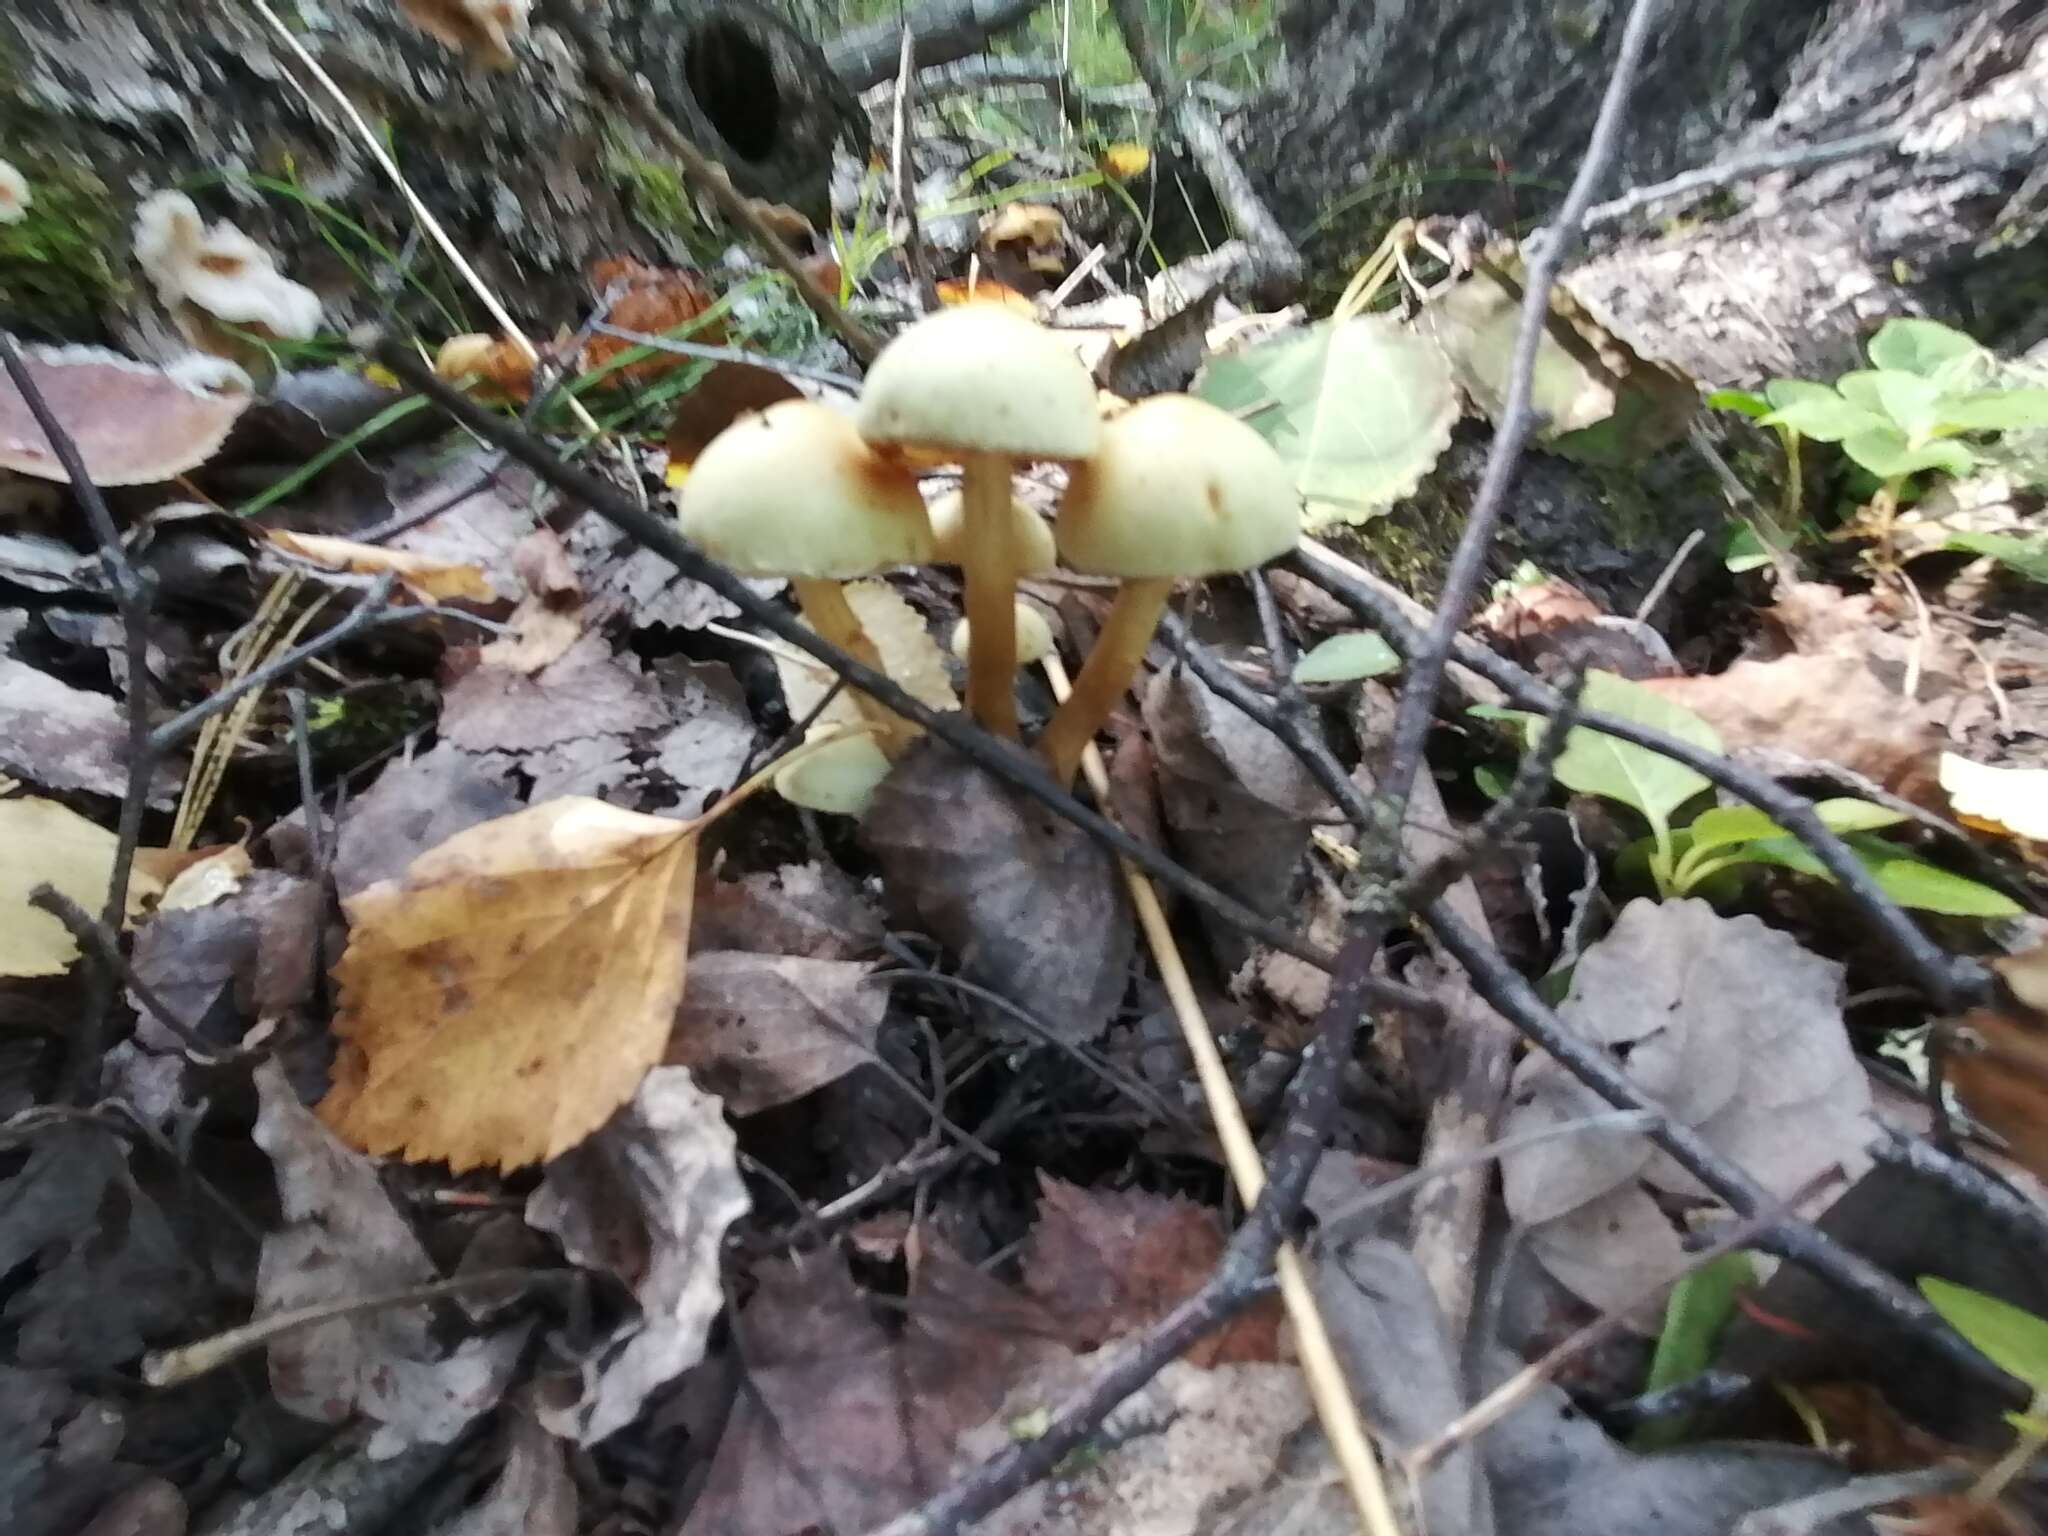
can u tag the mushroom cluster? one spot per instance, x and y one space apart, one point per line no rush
1169 489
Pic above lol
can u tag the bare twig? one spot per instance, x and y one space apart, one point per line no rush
631 96
97 939
1736 168
135 596
903 176
1021 770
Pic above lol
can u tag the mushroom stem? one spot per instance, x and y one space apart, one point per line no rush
1119 652
824 603
991 584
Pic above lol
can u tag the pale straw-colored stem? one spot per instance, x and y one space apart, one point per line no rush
1324 1373
1119 652
824 603
991 585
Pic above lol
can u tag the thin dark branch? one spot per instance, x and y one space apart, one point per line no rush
1950 982
1021 770
1722 173
135 596
716 354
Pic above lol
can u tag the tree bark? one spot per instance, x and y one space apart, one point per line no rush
104 101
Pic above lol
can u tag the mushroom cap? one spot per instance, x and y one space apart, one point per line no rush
978 379
1179 488
793 491
219 270
1031 547
131 424
1034 636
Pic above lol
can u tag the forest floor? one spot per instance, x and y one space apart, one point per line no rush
512 1020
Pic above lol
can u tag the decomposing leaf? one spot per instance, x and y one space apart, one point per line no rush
345 1239
1033 908
846 1423
1184 1448
132 424
258 940
195 877
759 1030
427 579
1602 402
1163 357
647 1200
1360 411
507 993
416 803
650 300
1730 1025
812 910
1997 1059
50 844
1105 1263
2010 801
1237 804
589 691
532 1495
726 392
61 737
623 576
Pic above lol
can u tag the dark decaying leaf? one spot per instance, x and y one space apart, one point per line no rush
814 911
647 1200
417 804
726 392
760 1030
843 1423
532 1495
1235 801
623 577
587 692
55 1448
343 1238
703 752
132 424
1106 1262
257 940
60 737
1030 906
1162 359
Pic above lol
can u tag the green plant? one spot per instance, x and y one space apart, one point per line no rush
2014 1340
1688 859
1933 400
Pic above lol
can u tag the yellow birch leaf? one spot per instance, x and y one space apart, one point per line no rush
501 998
1122 161
51 844
431 580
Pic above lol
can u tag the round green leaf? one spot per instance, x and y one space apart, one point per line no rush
1919 346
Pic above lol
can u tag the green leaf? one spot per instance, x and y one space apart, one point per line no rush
1743 550
2013 1338
1492 781
1885 452
1346 658
1860 388
1725 824
1747 401
1697 1312
2027 556
1995 410
1919 346
1852 815
1909 400
1909 881
1818 412
2028 1424
1360 412
1596 764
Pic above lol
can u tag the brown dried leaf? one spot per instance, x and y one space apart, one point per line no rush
132 424
533 1494
1998 1059
589 691
60 737
415 804
259 940
345 1239
1034 909
1110 1262
50 844
646 1200
505 996
760 1030
650 300
727 392
1737 1031
1826 708
846 1424
810 910
427 579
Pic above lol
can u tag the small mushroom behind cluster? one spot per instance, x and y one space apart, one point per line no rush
1178 489
484 30
794 492
14 195
216 281
1034 637
987 389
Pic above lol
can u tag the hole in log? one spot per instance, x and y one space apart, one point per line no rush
733 80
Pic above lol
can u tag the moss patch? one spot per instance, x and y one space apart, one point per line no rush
56 273
655 192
